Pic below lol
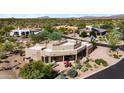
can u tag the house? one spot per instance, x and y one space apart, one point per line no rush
98 31
59 51
35 30
20 32
27 31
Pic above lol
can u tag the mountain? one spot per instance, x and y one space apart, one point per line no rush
44 17
120 16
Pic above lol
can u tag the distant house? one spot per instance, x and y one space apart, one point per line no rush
35 31
98 31
20 32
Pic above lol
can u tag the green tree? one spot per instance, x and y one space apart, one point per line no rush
36 70
81 25
83 34
48 28
55 36
4 30
1 47
121 26
40 36
107 26
2 39
114 38
93 33
45 34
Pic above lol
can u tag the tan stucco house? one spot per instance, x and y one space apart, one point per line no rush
59 51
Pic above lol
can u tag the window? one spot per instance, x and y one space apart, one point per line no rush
16 33
22 33
27 33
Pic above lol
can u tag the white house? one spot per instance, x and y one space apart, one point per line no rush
20 32
88 27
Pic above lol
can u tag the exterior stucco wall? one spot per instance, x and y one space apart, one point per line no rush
34 54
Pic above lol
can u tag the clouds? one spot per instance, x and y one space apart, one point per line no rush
62 6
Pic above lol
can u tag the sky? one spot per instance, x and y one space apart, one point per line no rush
50 15
34 8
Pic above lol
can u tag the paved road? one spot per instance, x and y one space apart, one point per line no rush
113 72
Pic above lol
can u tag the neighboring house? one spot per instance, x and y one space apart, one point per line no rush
98 31
59 51
35 31
20 32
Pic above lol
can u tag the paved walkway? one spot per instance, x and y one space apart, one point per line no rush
102 52
113 72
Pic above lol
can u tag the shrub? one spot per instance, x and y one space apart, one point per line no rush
8 46
95 66
73 66
98 62
83 34
92 33
120 55
107 26
77 61
101 61
101 39
77 64
24 36
37 70
88 65
62 76
84 69
3 56
94 44
104 63
87 60
115 56
72 73
55 36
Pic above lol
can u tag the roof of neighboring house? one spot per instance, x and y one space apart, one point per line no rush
99 30
35 30
22 30
86 30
